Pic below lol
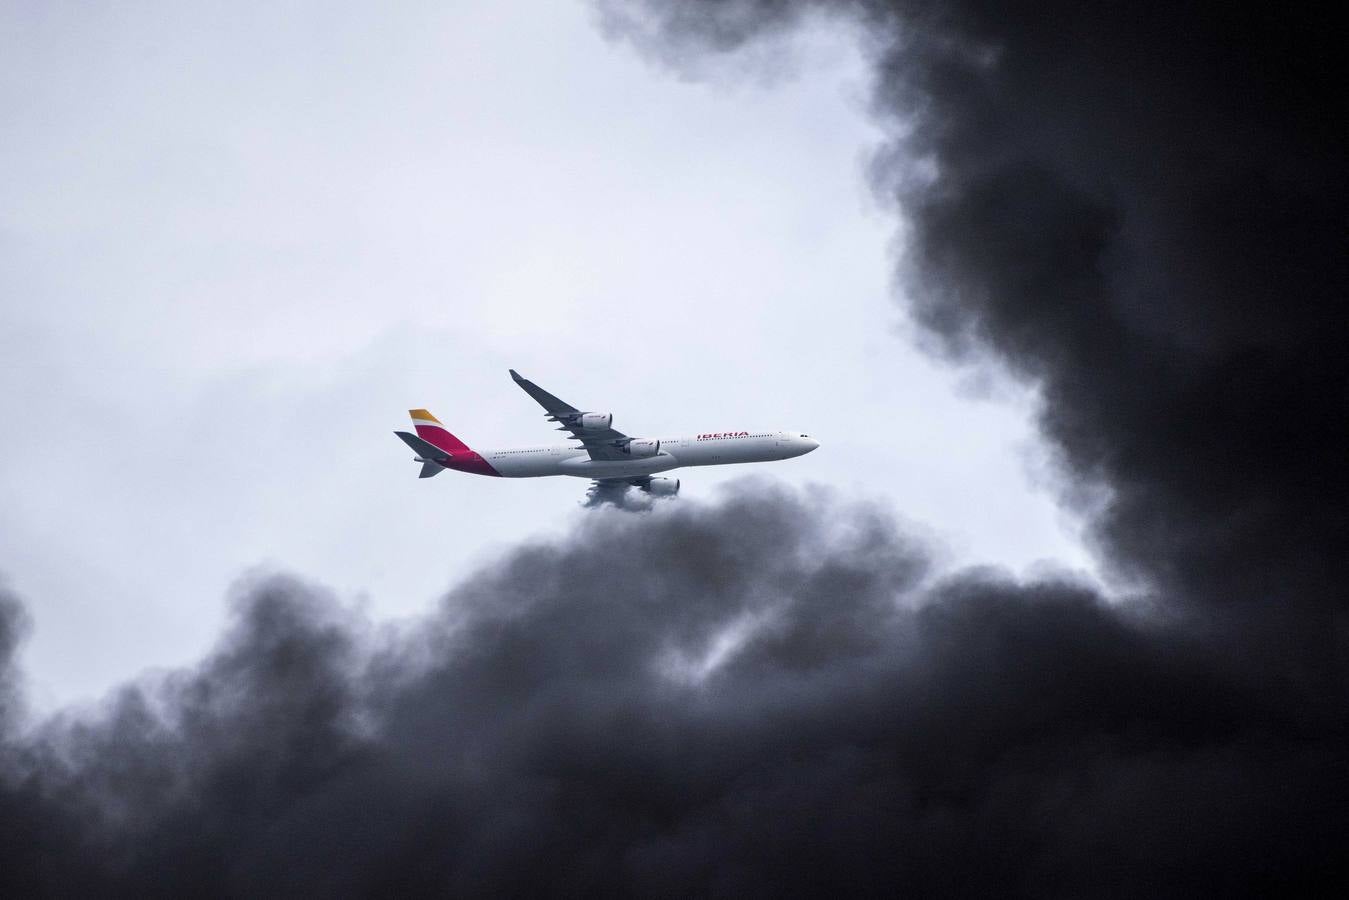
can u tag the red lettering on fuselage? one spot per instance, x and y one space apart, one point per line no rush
723 434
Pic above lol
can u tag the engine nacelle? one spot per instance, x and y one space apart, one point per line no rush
595 421
663 487
641 448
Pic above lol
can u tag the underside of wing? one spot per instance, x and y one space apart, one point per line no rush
613 490
592 429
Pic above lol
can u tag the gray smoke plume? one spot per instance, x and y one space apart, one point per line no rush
767 695
1141 210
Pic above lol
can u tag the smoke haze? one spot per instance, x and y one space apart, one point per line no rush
1141 211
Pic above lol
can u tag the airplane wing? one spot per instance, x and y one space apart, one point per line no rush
612 490
600 443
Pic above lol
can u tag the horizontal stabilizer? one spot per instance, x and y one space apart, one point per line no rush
430 469
423 449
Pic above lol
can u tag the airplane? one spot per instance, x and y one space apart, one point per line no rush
613 461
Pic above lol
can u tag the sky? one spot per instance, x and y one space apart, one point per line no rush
236 244
244 651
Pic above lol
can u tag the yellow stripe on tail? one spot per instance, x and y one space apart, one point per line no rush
424 415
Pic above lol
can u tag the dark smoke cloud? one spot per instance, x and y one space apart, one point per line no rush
766 695
1141 210
1141 207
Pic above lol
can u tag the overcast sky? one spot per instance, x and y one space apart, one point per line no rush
237 245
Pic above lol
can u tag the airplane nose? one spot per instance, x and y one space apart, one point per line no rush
811 444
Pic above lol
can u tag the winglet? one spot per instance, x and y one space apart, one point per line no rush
554 406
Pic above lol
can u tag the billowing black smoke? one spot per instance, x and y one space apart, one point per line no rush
766 695
1139 209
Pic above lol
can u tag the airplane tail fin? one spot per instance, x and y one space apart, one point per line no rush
432 443
430 430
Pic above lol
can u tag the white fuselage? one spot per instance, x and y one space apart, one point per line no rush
711 449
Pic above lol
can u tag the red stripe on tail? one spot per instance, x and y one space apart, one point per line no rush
463 458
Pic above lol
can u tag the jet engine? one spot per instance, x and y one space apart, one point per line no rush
642 448
595 421
662 487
